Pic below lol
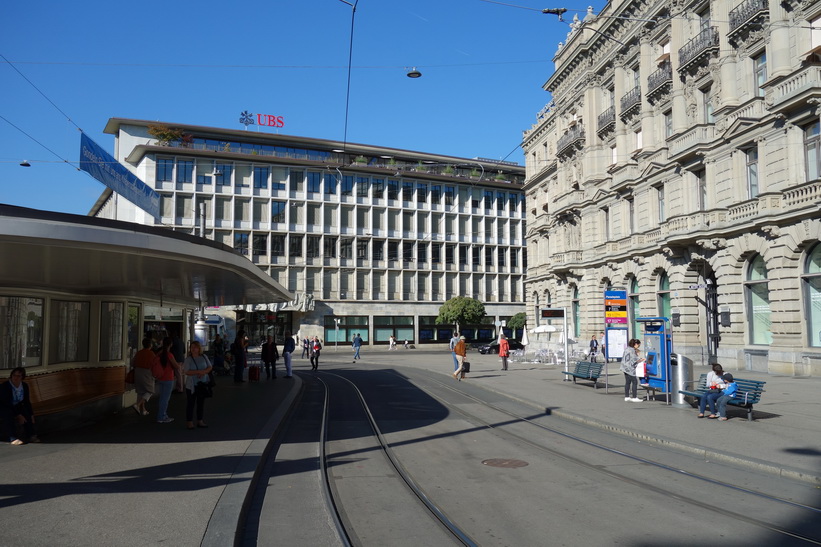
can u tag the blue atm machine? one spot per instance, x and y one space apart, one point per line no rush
657 346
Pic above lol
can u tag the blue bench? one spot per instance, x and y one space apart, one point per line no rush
749 393
586 370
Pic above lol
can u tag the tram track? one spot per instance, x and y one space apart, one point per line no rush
813 513
355 460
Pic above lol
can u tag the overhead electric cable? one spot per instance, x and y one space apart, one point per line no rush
38 142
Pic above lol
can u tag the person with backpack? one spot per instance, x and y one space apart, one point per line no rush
316 349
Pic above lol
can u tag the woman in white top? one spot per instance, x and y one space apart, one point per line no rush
715 381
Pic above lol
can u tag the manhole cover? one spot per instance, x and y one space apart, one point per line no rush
500 462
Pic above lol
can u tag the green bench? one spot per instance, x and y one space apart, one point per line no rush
586 370
749 393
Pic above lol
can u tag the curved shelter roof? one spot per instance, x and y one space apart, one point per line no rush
84 255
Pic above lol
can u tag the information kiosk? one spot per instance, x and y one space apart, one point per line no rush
657 346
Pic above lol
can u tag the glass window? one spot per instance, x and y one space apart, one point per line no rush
330 247
185 170
707 104
760 73
297 179
421 193
489 256
449 250
757 294
347 185
378 250
488 199
752 172
377 187
393 250
663 297
278 245
165 170
68 332
346 248
450 195
314 182
278 211
660 203
222 174
501 257
635 310
435 194
294 245
362 187
330 184
407 191
313 246
812 150
812 295
668 124
21 330
407 251
362 249
260 244
261 177
393 189
241 243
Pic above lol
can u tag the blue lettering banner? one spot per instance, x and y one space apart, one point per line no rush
102 166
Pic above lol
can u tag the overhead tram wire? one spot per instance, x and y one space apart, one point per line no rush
38 142
350 61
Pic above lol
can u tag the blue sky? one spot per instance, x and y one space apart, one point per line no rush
204 62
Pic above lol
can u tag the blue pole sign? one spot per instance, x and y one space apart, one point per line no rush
102 166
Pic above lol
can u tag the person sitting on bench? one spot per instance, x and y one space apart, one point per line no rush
16 410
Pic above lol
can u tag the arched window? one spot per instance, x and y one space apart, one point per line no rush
633 298
577 316
663 296
812 295
757 296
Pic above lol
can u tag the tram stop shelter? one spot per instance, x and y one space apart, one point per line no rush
73 295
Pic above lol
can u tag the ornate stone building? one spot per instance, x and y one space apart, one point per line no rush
679 159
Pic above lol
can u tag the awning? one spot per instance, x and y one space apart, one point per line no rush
77 254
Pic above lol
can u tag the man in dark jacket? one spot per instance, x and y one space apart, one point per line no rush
270 354
15 409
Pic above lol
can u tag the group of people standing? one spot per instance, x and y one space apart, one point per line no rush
156 372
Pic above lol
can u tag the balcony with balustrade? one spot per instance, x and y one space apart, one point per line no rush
698 51
630 104
748 16
572 140
659 83
606 122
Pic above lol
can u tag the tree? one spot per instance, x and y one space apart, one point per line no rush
517 321
461 310
164 134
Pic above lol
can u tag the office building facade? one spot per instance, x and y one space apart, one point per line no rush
679 160
370 240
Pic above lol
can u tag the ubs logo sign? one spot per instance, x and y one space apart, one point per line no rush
247 118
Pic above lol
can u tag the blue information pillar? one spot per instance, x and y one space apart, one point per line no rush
657 346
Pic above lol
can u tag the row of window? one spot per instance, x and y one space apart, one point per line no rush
344 247
182 170
756 301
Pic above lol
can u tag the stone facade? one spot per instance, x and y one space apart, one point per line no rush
679 159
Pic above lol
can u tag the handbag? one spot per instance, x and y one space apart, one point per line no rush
203 390
465 366
212 382
129 376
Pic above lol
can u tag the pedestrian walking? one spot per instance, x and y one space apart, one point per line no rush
594 348
316 349
143 362
306 347
357 345
453 341
288 349
460 350
269 355
504 350
391 342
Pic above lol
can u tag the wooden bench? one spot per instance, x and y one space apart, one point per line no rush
749 393
60 391
586 370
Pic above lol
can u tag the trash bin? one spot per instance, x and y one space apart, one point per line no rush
681 371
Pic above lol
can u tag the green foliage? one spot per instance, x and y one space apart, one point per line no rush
164 134
461 310
517 321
